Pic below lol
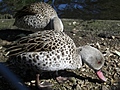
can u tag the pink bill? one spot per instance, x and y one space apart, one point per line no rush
101 76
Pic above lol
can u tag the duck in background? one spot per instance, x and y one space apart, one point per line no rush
38 16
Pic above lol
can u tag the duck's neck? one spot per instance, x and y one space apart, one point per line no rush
78 58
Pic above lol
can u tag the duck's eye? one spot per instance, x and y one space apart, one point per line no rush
99 62
80 49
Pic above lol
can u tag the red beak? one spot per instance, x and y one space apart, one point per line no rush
100 75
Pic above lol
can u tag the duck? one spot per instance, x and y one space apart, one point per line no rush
37 17
53 51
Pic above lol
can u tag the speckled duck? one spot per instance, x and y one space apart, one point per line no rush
53 51
37 16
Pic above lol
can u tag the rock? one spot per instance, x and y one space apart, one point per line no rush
104 87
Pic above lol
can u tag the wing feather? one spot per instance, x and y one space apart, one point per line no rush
31 43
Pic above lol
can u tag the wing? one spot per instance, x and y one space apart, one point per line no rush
39 41
26 10
35 8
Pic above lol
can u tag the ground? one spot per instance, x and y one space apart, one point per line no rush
102 34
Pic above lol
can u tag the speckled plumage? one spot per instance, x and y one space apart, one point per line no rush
47 50
36 16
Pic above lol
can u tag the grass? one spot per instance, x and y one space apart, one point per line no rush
6 23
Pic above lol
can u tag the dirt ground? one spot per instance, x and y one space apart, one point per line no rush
102 34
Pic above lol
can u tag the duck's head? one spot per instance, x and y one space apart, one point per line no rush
57 24
93 58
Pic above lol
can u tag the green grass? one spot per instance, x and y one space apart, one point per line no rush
104 25
6 23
